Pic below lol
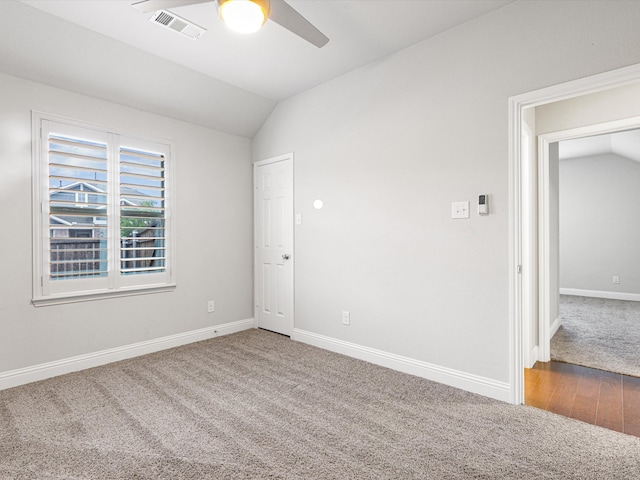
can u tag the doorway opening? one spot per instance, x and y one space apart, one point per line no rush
589 325
587 180
532 281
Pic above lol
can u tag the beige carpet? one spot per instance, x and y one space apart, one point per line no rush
599 333
256 405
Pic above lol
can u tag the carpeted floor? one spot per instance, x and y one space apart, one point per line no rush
256 405
599 333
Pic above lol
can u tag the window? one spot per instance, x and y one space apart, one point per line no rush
102 213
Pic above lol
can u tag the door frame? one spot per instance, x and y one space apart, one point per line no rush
518 205
287 157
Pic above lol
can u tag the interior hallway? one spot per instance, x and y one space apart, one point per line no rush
606 399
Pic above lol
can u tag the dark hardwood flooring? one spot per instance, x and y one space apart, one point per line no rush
606 399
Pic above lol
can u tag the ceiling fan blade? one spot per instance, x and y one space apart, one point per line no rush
285 15
145 6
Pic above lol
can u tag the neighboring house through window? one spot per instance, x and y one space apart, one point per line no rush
102 213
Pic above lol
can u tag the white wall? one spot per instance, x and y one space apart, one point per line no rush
214 230
599 228
388 147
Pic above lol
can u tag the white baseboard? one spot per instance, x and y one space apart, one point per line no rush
601 294
555 325
21 376
533 357
465 381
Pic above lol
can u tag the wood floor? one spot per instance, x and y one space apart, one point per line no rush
601 398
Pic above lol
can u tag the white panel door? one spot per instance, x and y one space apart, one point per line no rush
273 201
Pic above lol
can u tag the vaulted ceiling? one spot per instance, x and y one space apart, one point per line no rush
625 144
225 81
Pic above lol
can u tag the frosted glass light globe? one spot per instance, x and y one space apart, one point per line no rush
242 16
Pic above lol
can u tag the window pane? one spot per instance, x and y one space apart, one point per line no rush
142 212
77 208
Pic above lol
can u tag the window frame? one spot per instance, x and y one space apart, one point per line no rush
114 284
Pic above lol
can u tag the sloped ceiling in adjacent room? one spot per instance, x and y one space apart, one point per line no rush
625 144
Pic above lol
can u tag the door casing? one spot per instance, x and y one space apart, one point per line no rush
520 207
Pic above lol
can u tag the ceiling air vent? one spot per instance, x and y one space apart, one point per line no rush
177 24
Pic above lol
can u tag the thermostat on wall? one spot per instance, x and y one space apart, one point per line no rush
483 204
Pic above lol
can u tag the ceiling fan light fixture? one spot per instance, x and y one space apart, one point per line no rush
243 16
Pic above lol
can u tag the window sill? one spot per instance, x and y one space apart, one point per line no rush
88 297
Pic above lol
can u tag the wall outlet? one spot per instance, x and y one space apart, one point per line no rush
211 306
616 279
346 318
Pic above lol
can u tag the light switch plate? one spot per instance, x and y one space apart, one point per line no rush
460 210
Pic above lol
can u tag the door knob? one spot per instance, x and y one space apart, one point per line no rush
286 256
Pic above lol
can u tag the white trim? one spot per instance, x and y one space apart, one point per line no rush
553 328
21 376
529 259
634 297
516 230
532 357
517 104
602 128
279 158
544 251
87 297
47 292
455 378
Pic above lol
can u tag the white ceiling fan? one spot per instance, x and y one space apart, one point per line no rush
259 10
